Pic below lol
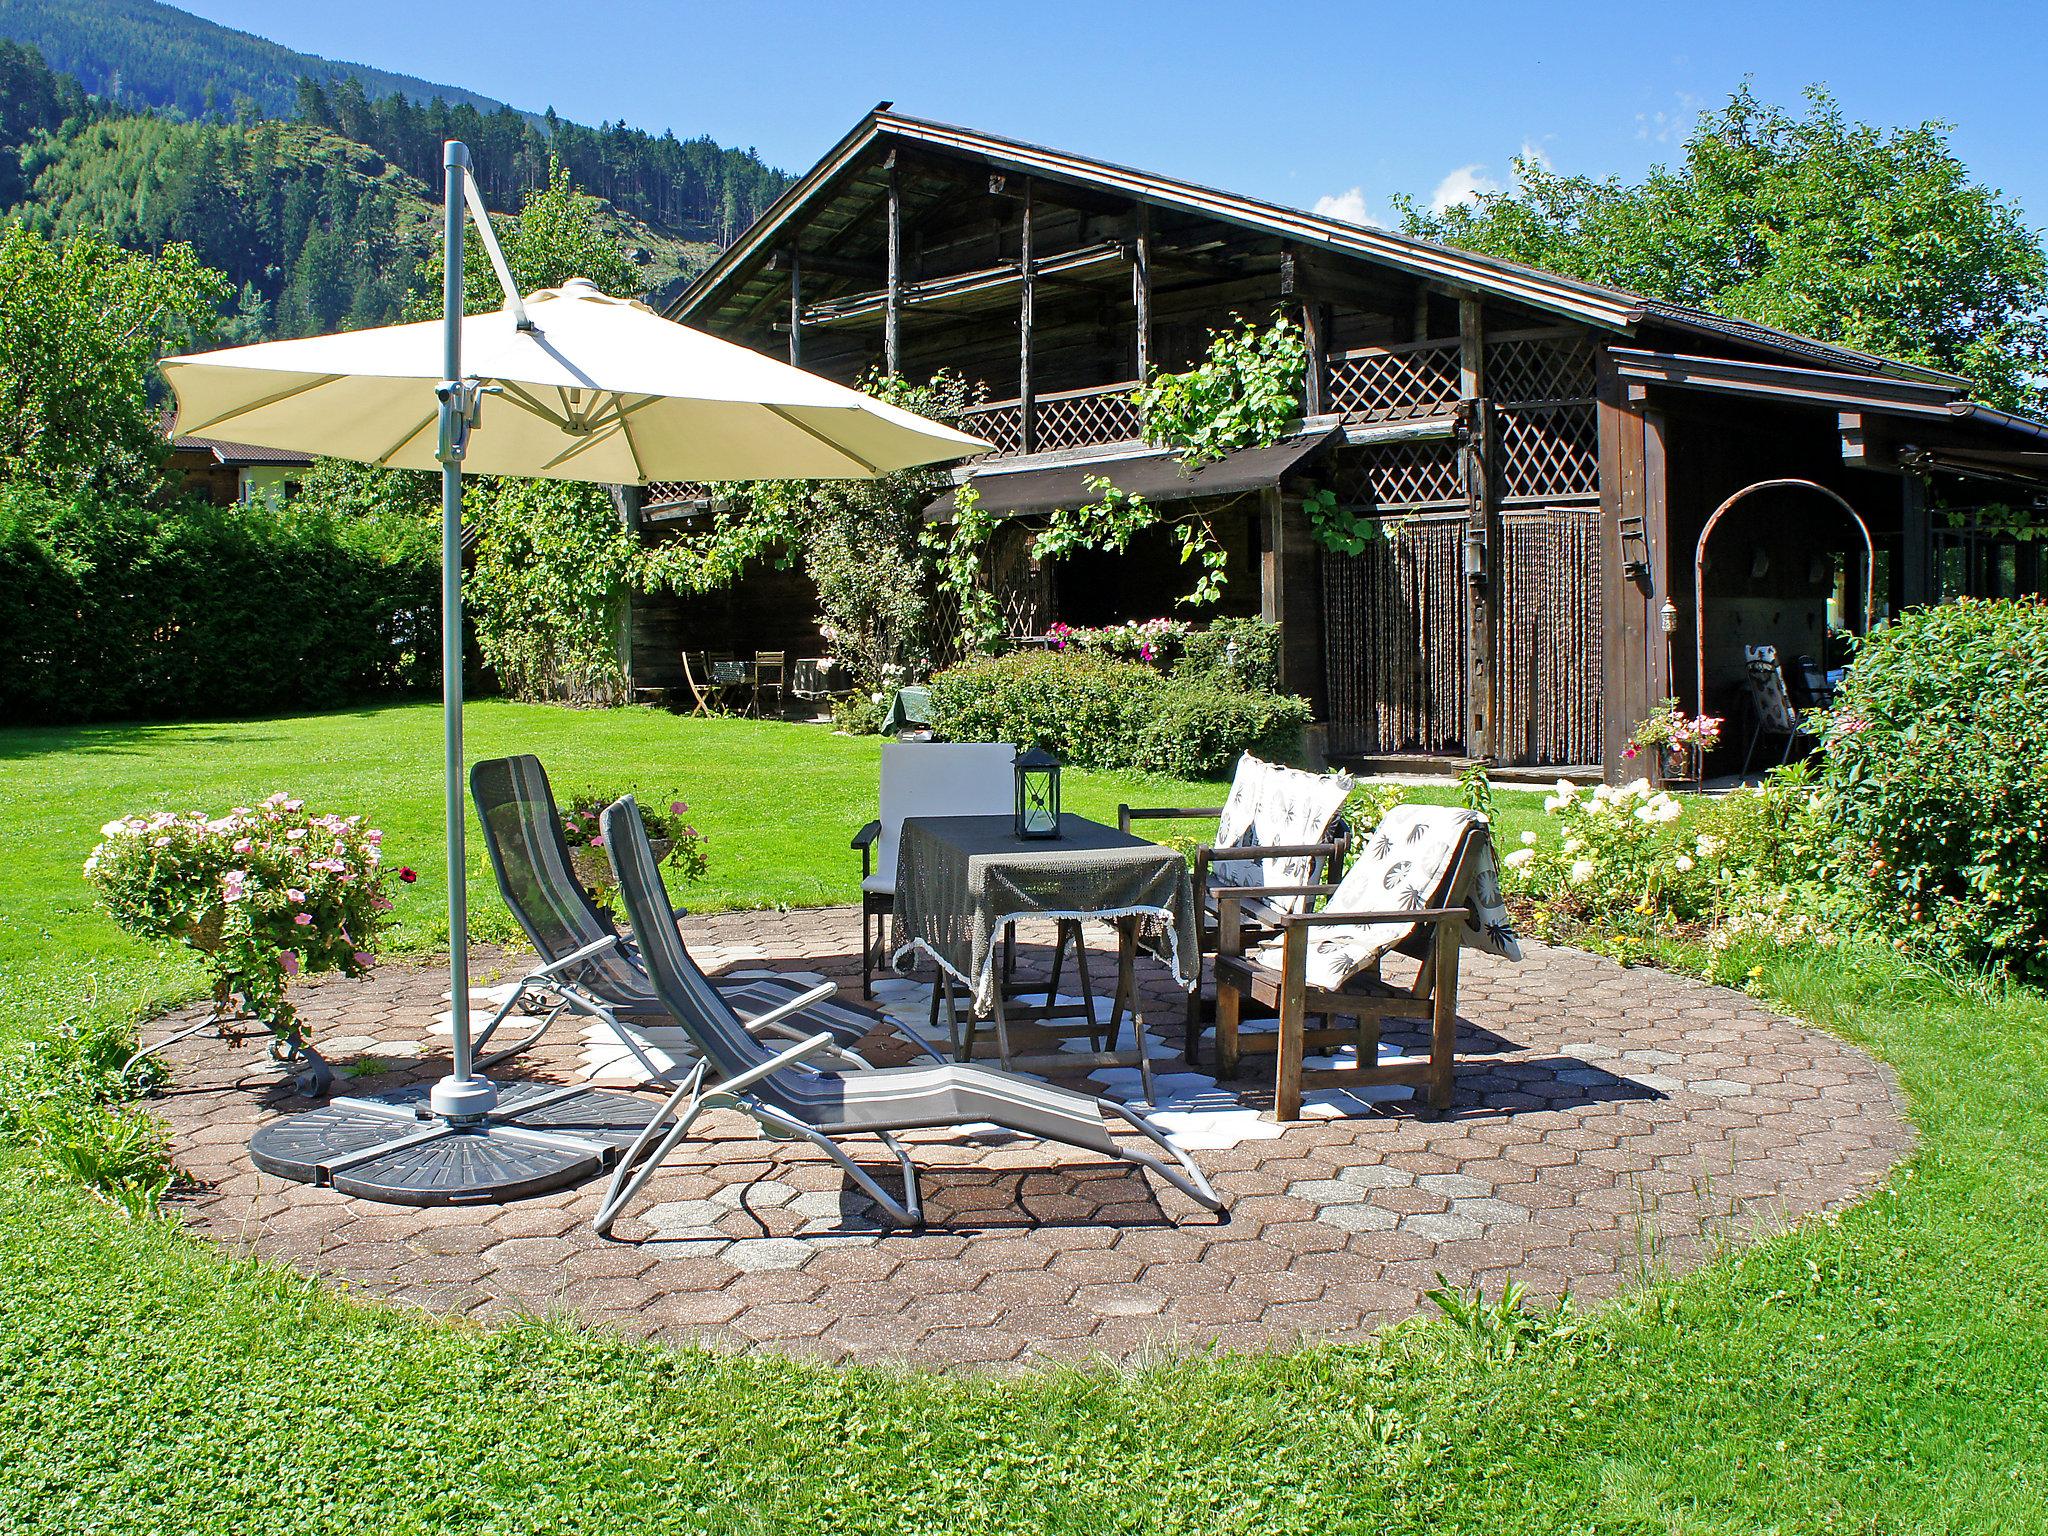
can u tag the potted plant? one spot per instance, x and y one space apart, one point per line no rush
263 894
676 841
1680 741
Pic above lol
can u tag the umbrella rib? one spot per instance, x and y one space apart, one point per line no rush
809 431
587 442
383 460
626 427
257 405
519 397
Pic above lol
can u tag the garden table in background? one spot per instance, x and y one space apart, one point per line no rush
911 709
964 882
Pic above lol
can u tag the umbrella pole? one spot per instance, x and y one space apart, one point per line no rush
462 1095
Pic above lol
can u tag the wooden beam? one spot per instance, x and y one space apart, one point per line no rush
1477 458
892 314
1027 299
1141 288
1625 687
796 309
1916 570
821 264
1315 337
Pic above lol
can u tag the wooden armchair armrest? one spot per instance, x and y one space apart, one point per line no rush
1328 919
1236 854
1126 814
1230 900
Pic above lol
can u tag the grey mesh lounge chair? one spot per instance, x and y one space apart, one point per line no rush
788 1097
584 960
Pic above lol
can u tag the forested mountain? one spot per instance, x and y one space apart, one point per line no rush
320 221
143 54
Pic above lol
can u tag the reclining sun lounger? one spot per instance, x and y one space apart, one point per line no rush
789 1096
584 960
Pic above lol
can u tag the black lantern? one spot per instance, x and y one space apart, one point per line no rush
1038 794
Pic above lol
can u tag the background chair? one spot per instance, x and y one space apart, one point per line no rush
770 674
1770 702
922 779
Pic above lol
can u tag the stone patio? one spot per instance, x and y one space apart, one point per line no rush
1606 1121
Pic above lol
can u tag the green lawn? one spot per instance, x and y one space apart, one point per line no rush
1884 1373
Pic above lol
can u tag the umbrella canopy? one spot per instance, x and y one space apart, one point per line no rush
589 388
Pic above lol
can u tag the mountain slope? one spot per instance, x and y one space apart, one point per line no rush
142 53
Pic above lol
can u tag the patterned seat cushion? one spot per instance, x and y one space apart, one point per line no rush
1272 807
1403 867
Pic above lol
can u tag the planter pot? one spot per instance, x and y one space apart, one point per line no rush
1680 765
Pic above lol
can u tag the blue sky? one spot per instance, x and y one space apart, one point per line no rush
1298 103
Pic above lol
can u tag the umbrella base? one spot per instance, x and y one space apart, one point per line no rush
394 1148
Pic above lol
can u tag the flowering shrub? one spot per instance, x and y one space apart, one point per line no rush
1672 729
1937 784
264 894
1155 641
685 856
1644 863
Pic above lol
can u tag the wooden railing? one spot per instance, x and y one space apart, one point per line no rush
1068 418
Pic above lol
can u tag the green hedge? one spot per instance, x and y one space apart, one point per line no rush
116 611
1098 713
1239 653
1936 768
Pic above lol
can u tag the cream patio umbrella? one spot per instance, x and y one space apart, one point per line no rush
580 387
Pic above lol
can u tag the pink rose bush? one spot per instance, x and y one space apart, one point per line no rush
685 858
264 893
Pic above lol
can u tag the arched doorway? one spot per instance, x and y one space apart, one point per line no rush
1788 579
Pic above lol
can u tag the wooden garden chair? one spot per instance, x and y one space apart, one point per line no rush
1424 886
1274 827
703 692
771 671
1770 702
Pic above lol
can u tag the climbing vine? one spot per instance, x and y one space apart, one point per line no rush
1246 393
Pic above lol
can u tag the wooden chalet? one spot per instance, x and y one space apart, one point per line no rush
1593 499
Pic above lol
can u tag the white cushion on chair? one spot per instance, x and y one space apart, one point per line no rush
1402 867
1270 807
938 778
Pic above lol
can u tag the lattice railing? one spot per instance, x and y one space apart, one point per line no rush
1000 421
1070 418
1549 451
1539 370
1394 383
1399 476
1082 418
669 493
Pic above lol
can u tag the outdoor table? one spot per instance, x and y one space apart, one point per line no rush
732 679
963 882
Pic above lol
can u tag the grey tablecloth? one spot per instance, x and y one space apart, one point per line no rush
910 710
961 879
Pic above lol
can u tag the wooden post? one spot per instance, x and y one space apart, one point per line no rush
1916 529
627 501
1141 289
1315 326
1625 696
1477 458
892 313
796 309
1027 406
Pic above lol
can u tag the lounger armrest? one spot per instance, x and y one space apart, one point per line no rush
821 1041
577 956
1328 919
773 1016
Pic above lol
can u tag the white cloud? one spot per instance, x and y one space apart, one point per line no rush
1537 155
1348 206
1663 127
1461 186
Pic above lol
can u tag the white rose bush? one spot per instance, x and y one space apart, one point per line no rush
263 893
